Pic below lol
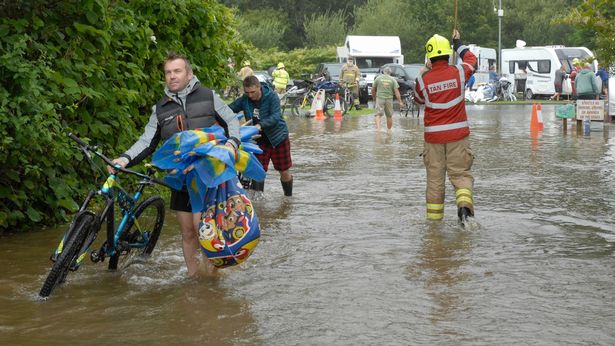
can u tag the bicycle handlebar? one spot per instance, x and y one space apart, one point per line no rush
86 148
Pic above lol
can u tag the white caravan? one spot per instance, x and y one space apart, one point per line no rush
533 68
486 57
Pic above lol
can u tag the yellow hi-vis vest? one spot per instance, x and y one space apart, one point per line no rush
280 78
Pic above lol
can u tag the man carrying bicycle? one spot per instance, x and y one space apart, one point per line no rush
186 105
350 75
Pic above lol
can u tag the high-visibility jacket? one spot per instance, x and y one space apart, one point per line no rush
350 73
280 78
442 90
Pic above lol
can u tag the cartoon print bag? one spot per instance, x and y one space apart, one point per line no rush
200 161
229 229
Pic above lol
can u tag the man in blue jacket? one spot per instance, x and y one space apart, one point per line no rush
261 105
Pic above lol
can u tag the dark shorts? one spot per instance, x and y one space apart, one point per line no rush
280 155
180 201
558 88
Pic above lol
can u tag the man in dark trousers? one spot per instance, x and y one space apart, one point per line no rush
261 105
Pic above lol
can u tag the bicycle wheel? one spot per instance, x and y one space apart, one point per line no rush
415 109
301 106
141 233
348 102
407 104
329 105
78 232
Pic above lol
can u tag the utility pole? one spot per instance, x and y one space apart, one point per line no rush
500 15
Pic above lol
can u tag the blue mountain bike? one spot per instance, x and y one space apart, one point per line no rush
135 236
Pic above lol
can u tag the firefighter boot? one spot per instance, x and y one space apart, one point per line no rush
287 186
464 213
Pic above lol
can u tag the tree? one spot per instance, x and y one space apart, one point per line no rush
415 21
597 17
296 12
264 28
327 29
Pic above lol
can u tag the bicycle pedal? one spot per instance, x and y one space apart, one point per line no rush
97 256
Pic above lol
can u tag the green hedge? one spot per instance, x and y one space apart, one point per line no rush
298 62
92 67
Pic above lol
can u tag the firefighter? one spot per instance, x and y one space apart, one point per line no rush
447 147
350 75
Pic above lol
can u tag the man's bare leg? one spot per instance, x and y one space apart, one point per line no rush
190 242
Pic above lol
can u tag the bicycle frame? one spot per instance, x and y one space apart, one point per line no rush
111 192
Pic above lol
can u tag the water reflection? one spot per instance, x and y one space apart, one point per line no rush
443 254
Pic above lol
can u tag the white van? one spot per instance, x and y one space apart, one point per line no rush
486 57
533 68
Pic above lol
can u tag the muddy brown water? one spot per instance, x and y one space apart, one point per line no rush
350 258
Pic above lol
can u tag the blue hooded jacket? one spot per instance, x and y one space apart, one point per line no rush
272 124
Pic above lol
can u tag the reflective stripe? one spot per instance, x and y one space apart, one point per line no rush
451 103
435 217
435 211
464 196
433 206
446 127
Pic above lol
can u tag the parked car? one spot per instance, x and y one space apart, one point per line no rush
263 76
329 70
365 84
404 74
413 70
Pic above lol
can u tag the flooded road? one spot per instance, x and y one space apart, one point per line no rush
350 258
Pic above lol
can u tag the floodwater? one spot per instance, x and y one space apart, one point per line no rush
350 258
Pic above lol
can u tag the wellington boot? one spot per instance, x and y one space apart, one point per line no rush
287 186
258 185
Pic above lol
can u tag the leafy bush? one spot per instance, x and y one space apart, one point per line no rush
299 62
92 67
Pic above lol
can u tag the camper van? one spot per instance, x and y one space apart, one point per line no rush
533 68
485 57
369 53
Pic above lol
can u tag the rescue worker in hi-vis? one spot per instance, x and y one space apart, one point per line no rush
447 149
280 78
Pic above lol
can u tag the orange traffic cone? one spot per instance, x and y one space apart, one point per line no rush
534 126
337 112
541 124
320 114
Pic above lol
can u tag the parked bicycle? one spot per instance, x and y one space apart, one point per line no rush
346 97
287 98
410 105
136 235
303 103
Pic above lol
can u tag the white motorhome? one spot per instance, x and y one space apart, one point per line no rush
486 57
533 68
369 53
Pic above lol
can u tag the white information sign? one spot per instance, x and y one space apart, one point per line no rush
593 109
